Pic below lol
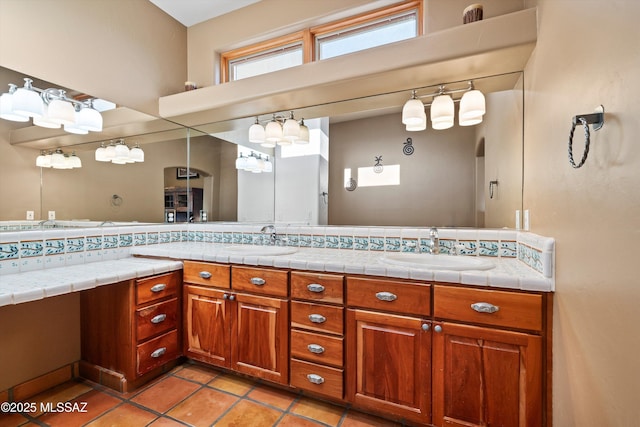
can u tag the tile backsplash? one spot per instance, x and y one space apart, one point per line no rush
36 249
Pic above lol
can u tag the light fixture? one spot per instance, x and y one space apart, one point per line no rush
273 131
303 137
256 133
442 108
279 131
291 129
119 153
50 108
254 163
58 160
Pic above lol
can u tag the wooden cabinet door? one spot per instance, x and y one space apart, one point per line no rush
388 364
486 377
260 337
207 325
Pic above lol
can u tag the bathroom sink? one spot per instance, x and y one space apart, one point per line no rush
257 250
438 262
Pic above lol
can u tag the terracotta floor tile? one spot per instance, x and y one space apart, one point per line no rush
247 413
165 422
290 420
165 394
232 384
319 411
358 419
203 407
61 393
97 403
281 399
125 415
196 373
12 419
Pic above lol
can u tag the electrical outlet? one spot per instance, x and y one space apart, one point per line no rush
518 219
30 215
527 223
52 215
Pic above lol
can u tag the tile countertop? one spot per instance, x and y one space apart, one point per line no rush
509 273
35 285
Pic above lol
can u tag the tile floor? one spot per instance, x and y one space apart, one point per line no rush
189 395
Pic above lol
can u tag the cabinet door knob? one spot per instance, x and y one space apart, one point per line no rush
159 318
158 288
386 296
232 297
315 348
258 281
205 275
159 352
426 327
315 378
315 287
484 307
225 296
317 318
438 328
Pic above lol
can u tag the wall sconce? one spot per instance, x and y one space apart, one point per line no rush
279 131
49 108
119 153
58 160
442 109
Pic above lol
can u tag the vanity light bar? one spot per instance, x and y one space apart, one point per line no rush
58 160
279 130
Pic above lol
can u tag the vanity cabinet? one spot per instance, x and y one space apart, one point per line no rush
317 333
389 348
487 375
129 330
238 318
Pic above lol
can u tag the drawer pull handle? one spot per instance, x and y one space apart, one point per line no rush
158 288
315 378
159 352
315 287
315 348
484 307
386 296
317 318
159 318
258 281
205 275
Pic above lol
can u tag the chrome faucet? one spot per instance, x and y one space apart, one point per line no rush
45 222
271 230
105 223
434 241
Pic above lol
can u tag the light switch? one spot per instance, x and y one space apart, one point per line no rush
52 215
30 216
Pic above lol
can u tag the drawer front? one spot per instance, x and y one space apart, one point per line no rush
317 317
157 287
260 280
156 318
207 274
317 348
388 295
318 287
499 308
157 352
316 378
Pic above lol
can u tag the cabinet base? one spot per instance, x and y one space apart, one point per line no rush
118 381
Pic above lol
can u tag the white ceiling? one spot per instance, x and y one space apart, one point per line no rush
191 12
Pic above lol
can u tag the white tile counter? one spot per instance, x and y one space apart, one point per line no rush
38 284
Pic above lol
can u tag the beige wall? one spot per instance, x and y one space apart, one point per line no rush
588 54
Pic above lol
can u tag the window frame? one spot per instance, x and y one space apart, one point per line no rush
307 37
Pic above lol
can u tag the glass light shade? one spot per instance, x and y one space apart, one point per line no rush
27 102
291 130
284 142
122 153
419 126
72 128
442 109
75 161
101 154
304 135
268 144
273 132
256 133
46 163
268 166
136 154
89 119
119 161
442 124
412 112
472 104
259 166
61 111
469 121
41 161
6 109
110 152
252 163
241 162
57 160
44 121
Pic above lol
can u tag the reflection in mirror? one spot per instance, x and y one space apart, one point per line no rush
444 181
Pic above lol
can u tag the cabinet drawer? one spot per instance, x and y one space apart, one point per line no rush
387 295
260 280
318 287
156 318
157 352
157 287
499 308
316 378
317 348
207 274
317 317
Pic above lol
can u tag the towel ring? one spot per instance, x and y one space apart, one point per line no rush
597 120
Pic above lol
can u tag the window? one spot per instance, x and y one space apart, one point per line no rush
398 22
